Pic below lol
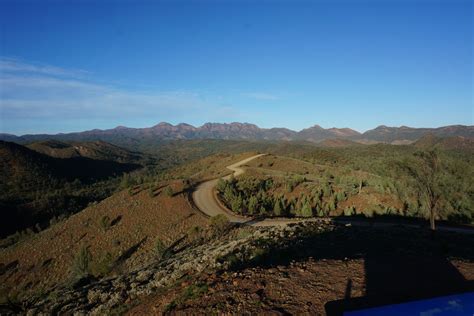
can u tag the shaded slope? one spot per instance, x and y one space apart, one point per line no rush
98 150
34 187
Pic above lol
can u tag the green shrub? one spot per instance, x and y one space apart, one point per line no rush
160 247
151 192
220 223
81 263
349 211
103 266
319 211
193 291
221 185
277 209
104 223
306 210
237 204
252 205
194 231
169 191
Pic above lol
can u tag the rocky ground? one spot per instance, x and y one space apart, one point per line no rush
306 268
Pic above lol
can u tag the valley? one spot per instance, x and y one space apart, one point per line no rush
196 219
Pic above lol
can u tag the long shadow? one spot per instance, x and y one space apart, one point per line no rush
130 251
401 264
116 220
393 280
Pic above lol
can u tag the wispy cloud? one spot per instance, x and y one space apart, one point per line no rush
260 96
47 92
12 65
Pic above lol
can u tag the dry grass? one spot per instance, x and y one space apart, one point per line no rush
45 259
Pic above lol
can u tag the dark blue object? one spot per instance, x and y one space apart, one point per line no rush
457 305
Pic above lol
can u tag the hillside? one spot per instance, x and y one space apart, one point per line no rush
35 187
122 230
145 250
390 134
20 162
312 268
450 143
97 150
338 142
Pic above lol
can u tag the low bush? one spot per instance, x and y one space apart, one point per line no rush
169 191
103 265
160 247
104 223
220 223
81 264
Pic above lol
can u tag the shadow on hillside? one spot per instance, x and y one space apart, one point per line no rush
130 251
115 221
393 280
401 264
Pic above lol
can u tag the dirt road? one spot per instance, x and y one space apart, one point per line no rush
206 201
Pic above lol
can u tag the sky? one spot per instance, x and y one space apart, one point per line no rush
78 65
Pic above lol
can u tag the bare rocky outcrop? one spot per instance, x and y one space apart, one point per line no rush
218 253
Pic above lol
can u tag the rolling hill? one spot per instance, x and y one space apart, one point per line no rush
34 187
387 134
98 150
449 143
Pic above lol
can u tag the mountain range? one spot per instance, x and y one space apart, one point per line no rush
244 131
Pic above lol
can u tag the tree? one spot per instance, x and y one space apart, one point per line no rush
306 210
252 205
221 185
327 190
319 211
228 194
426 173
277 208
340 196
81 264
237 204
331 204
349 211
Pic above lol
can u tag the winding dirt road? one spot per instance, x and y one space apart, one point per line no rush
205 199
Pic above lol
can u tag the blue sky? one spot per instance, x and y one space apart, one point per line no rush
77 65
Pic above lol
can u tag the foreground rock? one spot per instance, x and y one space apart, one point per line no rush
298 268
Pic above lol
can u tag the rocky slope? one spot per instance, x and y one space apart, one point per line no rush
307 268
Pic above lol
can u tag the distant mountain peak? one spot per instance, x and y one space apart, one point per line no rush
161 124
121 127
122 135
316 126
